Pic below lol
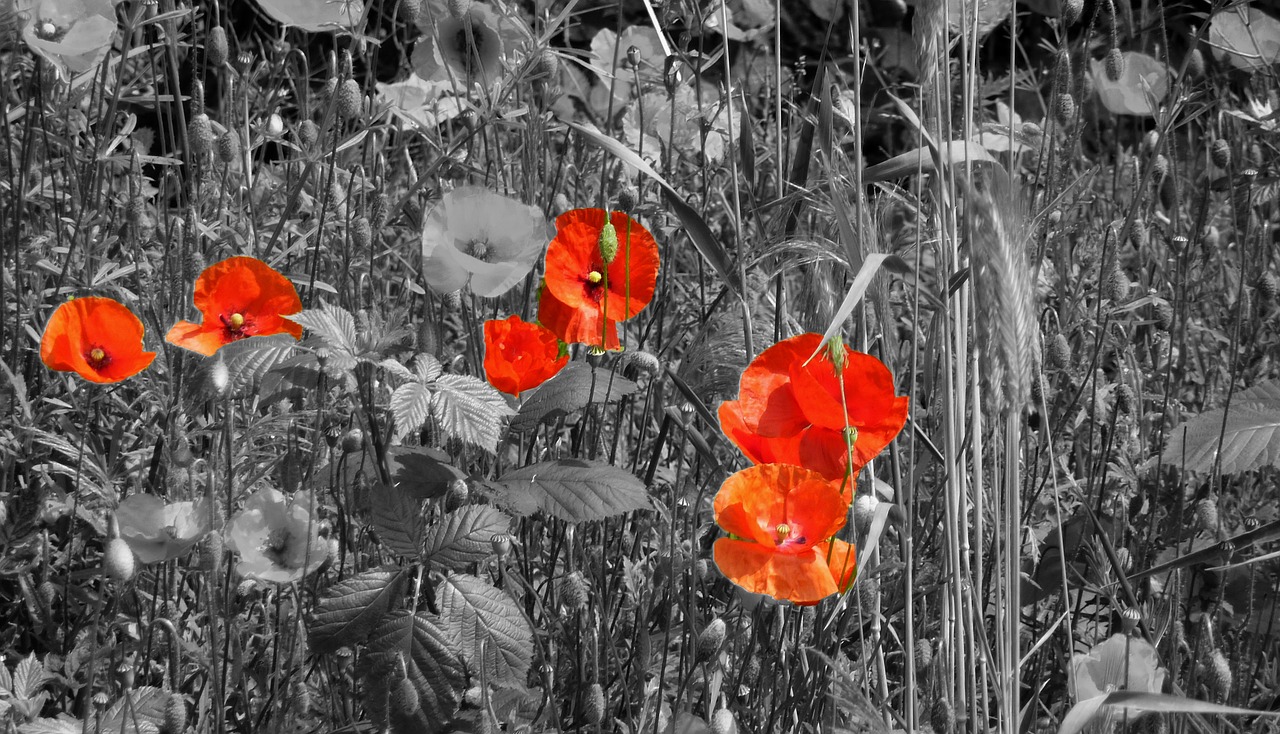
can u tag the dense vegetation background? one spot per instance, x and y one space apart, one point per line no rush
1054 223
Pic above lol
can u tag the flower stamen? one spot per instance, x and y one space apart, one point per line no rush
594 277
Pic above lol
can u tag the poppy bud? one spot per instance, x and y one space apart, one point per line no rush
501 545
211 552
608 242
117 560
1125 559
216 51
1115 64
1063 66
411 11
228 147
1217 674
548 64
574 592
275 126
633 57
197 98
47 595
711 638
459 8
350 100
1071 11
722 722
1055 216
942 715
1125 398
923 653
1220 153
627 198
361 233
457 495
1160 166
1064 110
1269 287
1164 315
560 203
404 706
175 714
864 512
243 61
1195 67
200 135
219 376
1207 514
1060 351
1115 287
593 705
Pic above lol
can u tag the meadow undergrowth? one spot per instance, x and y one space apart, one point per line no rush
638 367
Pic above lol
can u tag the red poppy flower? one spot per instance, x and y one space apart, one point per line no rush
97 338
781 520
519 355
240 297
789 412
583 299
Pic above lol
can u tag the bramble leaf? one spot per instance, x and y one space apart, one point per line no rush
487 622
430 664
465 536
469 410
574 388
398 517
576 490
349 609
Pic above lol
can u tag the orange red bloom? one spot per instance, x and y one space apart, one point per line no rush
99 339
519 356
583 296
780 521
239 297
790 412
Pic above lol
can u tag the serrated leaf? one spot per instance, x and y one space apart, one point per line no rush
427 368
421 471
411 406
575 490
28 677
392 365
62 725
398 518
489 626
1251 439
348 610
126 716
470 410
248 361
333 324
465 536
430 663
574 388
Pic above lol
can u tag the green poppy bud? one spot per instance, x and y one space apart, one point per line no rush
608 242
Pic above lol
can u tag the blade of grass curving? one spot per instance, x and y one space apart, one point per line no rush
856 290
703 240
1083 712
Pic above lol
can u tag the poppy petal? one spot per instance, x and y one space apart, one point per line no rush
576 326
519 356
83 326
196 337
756 501
798 578
765 389
867 389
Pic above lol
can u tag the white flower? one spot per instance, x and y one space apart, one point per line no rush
469 48
478 237
610 60
420 102
676 122
278 539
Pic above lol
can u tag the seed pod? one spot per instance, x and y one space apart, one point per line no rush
117 560
379 210
1207 514
1160 166
403 706
722 722
560 203
711 638
608 242
200 135
864 512
628 196
175 714
228 147
1071 11
501 545
593 704
217 51
211 551
308 133
1115 64
457 495
1064 111
574 592
1062 66
1129 619
1220 153
458 8
46 594
350 101
548 65
1164 315
1059 351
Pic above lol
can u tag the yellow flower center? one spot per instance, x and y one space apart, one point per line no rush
97 355
784 531
237 320
594 277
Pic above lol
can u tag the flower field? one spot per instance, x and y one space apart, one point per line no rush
650 366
